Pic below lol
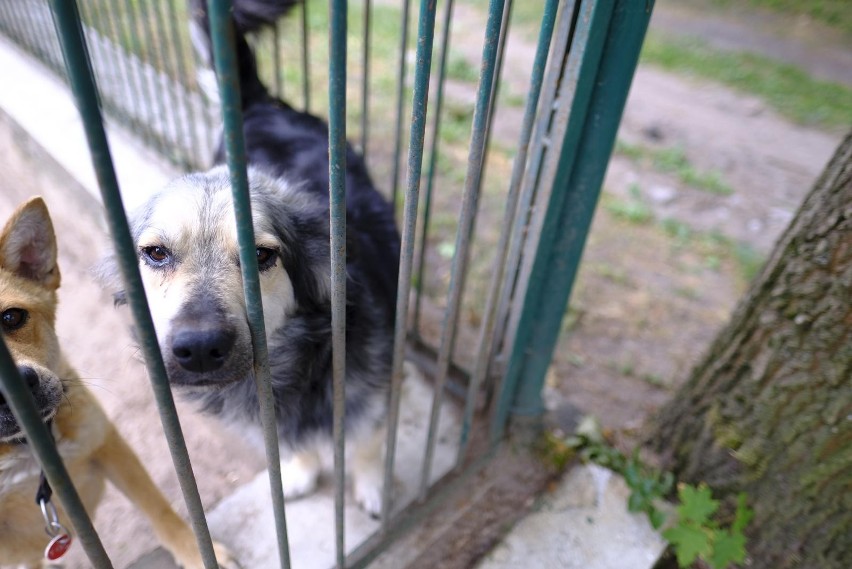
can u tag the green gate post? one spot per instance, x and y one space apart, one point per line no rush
617 31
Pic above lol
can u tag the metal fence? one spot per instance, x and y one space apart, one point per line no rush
132 59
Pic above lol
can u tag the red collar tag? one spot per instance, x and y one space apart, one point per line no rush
57 547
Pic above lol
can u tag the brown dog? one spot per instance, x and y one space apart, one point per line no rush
89 443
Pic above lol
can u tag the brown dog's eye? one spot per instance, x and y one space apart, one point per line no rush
14 318
156 256
265 258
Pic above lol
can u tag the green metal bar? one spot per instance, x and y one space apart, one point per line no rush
540 141
400 101
227 74
365 79
466 217
13 388
495 88
413 515
486 336
422 71
83 87
337 218
617 30
433 164
306 67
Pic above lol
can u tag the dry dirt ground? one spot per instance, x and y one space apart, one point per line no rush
643 310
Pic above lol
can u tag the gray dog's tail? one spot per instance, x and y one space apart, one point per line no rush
248 16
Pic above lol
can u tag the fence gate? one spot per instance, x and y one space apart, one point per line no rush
492 230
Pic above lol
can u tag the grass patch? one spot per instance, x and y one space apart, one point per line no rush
786 88
460 69
715 247
633 209
674 161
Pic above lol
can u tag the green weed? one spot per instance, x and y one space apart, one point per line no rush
674 161
460 69
693 527
633 209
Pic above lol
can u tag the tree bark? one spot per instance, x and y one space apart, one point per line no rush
769 410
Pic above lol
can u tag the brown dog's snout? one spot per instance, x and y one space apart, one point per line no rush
30 377
202 350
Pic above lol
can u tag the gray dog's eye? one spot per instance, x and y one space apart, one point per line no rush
265 258
156 256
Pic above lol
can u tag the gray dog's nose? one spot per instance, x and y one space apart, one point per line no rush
202 350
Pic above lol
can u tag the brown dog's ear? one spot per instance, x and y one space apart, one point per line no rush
28 244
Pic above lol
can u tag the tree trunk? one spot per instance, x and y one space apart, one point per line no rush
769 410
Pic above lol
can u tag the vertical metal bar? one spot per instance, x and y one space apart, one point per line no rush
135 82
422 71
32 36
337 218
13 388
83 87
105 57
433 164
139 33
227 74
495 88
365 79
400 101
191 114
469 199
504 329
615 34
306 68
157 66
46 35
486 335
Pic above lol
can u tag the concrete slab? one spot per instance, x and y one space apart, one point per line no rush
244 521
583 524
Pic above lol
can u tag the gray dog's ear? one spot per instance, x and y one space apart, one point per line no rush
107 274
28 244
